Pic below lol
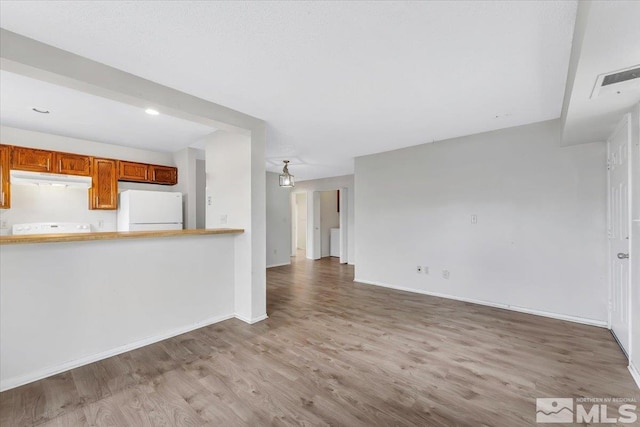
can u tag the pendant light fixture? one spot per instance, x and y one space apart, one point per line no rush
286 179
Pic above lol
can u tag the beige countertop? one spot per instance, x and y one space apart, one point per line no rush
83 237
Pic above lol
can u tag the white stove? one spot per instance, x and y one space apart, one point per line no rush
51 228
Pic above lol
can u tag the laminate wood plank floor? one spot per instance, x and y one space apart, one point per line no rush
335 352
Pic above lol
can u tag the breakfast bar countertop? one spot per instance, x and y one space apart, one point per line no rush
110 235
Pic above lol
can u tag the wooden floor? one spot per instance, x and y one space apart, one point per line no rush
335 352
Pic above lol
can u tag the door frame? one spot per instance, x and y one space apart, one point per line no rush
314 243
625 121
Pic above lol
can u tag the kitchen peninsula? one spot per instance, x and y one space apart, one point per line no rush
85 297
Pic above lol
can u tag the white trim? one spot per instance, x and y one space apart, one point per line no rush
585 321
279 265
52 370
635 373
253 320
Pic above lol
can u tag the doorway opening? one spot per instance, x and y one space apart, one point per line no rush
319 225
299 244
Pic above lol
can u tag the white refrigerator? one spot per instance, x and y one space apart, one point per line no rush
140 210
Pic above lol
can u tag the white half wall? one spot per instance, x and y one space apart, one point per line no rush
86 301
335 183
539 243
278 222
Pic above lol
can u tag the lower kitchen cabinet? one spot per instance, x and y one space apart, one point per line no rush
104 189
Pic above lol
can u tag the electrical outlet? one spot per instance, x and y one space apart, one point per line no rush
3 224
100 223
223 219
474 219
445 274
419 269
425 269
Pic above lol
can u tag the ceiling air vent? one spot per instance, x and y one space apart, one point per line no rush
617 82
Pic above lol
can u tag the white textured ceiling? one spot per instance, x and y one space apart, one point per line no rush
80 115
334 80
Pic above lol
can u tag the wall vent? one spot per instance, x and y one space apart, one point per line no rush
617 82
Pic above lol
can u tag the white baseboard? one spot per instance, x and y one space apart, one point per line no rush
279 265
585 321
635 373
52 370
252 320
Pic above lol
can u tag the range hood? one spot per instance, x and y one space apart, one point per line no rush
52 179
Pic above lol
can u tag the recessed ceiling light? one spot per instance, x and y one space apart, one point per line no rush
151 112
40 110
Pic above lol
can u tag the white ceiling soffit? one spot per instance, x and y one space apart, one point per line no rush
333 80
80 115
610 42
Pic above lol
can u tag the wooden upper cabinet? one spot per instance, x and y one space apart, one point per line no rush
72 164
104 189
130 171
5 188
30 159
166 175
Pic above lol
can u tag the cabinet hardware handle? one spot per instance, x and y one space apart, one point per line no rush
2 202
48 164
60 165
96 201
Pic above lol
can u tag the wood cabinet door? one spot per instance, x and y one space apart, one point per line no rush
5 188
130 171
30 159
73 164
166 175
104 188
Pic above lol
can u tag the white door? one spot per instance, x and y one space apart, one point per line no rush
618 162
301 221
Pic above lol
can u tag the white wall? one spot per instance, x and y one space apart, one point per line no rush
236 184
329 218
201 185
34 204
185 160
334 183
14 136
278 222
89 300
540 238
635 244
